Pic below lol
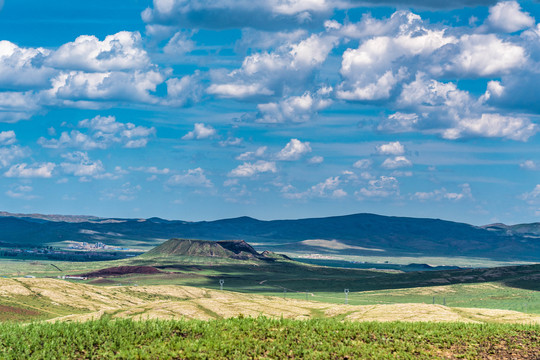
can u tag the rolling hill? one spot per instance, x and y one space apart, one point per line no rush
358 234
232 249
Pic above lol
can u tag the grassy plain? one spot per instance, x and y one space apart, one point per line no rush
509 288
475 315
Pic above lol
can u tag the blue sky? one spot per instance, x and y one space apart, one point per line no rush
199 110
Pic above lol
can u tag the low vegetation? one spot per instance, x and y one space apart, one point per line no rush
248 338
270 307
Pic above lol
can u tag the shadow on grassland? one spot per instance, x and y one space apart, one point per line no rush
299 277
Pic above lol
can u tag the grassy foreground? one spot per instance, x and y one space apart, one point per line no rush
246 338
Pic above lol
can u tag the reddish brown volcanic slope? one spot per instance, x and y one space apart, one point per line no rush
123 270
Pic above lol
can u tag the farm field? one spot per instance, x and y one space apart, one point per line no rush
247 338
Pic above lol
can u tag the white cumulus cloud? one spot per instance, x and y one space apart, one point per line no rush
384 186
79 164
508 17
532 197
443 194
391 148
200 131
251 169
103 132
294 150
192 177
295 108
251 155
530 165
493 125
326 189
36 170
7 138
396 162
363 164
121 51
316 160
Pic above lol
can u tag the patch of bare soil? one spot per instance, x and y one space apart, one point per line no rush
522 346
9 312
123 270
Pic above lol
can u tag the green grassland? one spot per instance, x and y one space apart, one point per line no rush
263 338
508 288
258 314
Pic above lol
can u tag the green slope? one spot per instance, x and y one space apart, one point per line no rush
189 247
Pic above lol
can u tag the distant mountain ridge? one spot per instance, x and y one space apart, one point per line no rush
358 234
52 217
526 230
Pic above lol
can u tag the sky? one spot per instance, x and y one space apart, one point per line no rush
276 109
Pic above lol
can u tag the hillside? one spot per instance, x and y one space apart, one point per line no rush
523 230
61 300
359 234
233 249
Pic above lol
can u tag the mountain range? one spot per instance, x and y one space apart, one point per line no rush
357 234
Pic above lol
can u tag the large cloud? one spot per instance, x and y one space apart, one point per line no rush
424 4
507 16
434 106
271 14
479 56
86 73
22 68
493 125
267 73
372 71
133 86
121 51
391 50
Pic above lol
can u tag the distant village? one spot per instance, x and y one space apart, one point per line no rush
96 246
75 251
